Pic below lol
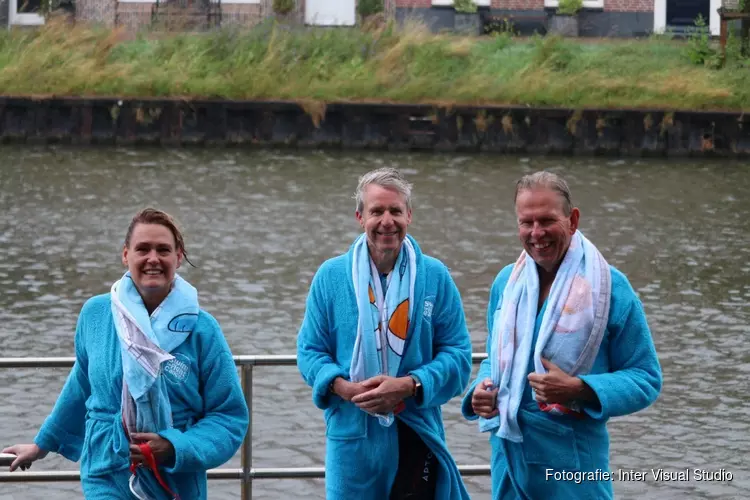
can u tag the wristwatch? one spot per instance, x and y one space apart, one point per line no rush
417 394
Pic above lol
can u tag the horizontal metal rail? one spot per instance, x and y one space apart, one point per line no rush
247 473
259 360
214 474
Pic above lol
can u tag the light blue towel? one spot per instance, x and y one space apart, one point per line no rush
384 321
570 334
145 343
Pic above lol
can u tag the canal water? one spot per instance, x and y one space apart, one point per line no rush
258 224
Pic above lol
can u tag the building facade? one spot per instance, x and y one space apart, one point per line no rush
599 18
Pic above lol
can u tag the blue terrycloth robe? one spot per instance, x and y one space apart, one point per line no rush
361 454
626 377
208 408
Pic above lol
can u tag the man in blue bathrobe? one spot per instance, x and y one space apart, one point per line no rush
384 345
569 347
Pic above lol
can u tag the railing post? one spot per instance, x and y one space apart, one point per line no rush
247 444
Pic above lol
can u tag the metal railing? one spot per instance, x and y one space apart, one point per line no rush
247 473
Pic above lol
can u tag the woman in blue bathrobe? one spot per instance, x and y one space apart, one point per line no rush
384 345
153 400
560 447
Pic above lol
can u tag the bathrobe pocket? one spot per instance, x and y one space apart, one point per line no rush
547 442
100 456
345 421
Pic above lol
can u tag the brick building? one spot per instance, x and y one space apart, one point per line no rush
601 18
134 14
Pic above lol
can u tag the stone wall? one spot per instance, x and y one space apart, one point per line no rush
413 4
241 14
502 130
517 4
629 5
97 11
134 16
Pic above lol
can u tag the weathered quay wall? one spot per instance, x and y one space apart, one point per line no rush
399 127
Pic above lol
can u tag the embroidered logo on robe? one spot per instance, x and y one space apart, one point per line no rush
178 368
428 306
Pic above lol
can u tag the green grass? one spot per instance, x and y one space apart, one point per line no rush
386 65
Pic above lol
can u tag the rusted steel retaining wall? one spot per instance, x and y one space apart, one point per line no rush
175 122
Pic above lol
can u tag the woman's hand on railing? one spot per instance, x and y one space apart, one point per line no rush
25 455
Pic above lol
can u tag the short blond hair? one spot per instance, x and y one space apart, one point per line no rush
544 179
385 177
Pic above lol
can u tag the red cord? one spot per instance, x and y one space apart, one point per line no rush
562 409
151 464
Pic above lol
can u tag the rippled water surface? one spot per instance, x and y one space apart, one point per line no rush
259 223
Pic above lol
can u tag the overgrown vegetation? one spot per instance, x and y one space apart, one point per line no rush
283 7
701 50
387 65
569 7
367 8
465 6
699 47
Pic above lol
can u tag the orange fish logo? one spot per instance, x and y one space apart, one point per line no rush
398 327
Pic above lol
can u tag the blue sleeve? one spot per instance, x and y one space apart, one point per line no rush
484 368
449 371
217 436
63 431
635 377
315 348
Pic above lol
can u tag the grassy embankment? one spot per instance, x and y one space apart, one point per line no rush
390 65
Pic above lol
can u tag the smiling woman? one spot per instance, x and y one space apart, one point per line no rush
154 250
135 431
